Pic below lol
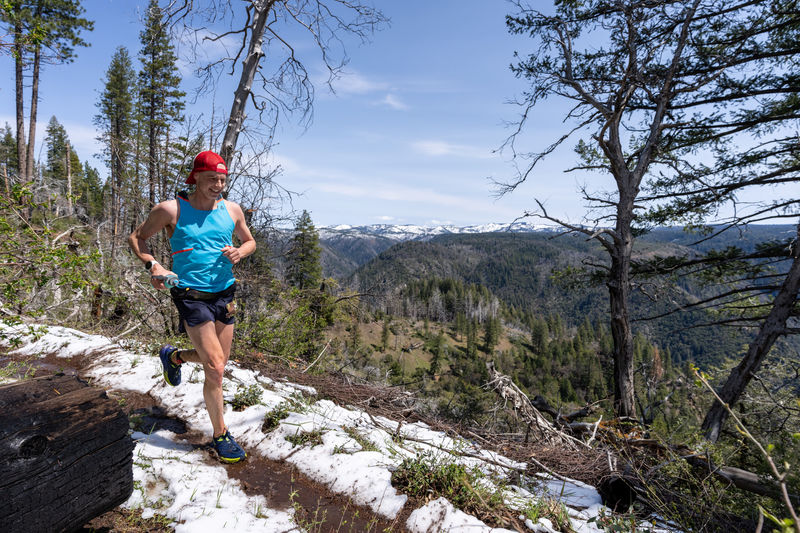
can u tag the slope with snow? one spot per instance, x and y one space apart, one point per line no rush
176 481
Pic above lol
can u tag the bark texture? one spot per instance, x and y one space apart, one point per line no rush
244 89
65 454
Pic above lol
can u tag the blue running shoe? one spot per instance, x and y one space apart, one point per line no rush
172 372
227 449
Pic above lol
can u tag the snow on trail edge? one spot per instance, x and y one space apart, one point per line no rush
174 480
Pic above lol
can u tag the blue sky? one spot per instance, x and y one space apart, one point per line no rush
408 138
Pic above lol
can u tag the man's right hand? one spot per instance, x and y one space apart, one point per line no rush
159 270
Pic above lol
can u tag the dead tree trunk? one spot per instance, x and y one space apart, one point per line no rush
65 454
773 327
243 90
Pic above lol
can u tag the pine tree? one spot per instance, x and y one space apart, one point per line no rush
437 353
56 141
160 99
91 194
491 333
43 31
385 333
304 270
539 335
63 164
355 336
115 121
8 152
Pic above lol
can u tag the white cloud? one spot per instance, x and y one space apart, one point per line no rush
393 102
444 148
355 83
83 137
202 47
385 218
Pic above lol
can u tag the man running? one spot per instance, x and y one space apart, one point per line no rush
200 226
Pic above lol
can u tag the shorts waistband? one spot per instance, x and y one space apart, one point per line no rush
185 293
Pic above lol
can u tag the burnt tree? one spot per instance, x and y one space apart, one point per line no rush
65 454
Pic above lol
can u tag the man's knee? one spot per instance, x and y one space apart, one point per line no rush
214 373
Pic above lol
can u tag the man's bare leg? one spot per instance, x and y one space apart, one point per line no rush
212 347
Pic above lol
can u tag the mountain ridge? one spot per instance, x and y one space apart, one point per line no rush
415 231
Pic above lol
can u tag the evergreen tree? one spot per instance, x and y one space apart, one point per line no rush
8 151
43 31
115 121
56 141
63 164
91 194
160 99
304 270
355 336
538 335
491 333
472 338
385 333
437 353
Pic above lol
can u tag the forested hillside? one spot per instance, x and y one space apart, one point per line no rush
536 274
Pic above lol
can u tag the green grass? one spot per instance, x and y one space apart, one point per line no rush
312 438
273 418
427 475
246 396
366 444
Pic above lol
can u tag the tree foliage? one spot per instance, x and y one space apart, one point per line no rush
160 98
665 92
304 270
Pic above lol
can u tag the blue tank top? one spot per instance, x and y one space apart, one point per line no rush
197 244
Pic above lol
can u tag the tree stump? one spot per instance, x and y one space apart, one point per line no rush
65 454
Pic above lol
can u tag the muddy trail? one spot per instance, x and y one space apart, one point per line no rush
315 507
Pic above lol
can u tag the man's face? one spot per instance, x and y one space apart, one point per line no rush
213 182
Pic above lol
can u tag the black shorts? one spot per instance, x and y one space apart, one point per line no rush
196 307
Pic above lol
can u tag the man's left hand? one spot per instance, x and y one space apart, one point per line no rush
232 253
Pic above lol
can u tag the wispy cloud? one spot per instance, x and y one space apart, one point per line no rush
444 148
392 101
402 194
356 83
201 47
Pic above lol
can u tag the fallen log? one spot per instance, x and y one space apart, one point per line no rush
620 489
542 428
65 454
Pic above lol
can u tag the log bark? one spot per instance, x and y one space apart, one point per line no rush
65 454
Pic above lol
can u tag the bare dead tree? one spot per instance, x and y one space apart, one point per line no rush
266 49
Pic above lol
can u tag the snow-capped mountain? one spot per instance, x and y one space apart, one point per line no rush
406 232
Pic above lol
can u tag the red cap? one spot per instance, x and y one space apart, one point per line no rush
207 160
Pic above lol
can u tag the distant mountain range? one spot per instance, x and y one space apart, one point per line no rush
408 232
346 248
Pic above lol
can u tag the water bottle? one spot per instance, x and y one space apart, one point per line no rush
170 281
